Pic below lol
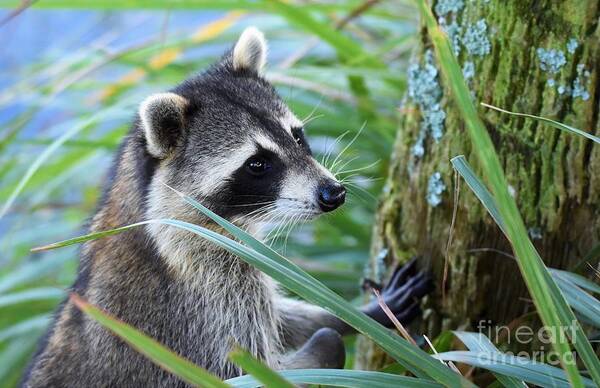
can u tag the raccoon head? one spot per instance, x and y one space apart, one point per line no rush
227 139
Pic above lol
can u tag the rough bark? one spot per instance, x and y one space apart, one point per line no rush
543 58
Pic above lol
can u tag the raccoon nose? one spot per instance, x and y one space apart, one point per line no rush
331 196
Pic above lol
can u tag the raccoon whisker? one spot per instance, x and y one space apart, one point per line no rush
247 219
293 223
287 218
283 228
308 120
258 213
268 196
335 161
275 213
312 112
292 199
363 179
352 187
299 220
267 217
286 224
252 204
249 222
271 237
360 168
330 148
328 151
277 204
312 119
342 166
345 162
366 179
261 210
281 232
254 195
348 178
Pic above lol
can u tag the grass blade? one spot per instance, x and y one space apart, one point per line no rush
340 378
481 192
88 237
150 348
522 368
552 123
32 271
26 327
581 301
267 376
30 295
578 280
477 342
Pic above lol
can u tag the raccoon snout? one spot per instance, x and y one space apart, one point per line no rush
332 195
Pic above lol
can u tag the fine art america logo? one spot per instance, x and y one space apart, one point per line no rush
543 338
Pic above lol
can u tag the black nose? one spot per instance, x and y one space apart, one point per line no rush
331 196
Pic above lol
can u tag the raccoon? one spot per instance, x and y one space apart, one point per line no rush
226 138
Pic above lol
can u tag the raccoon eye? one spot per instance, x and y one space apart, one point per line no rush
297 135
258 165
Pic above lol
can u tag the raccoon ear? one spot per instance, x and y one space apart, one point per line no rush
250 51
163 118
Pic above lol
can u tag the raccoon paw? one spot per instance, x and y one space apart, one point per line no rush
402 295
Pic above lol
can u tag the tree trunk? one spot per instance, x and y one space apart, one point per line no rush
539 57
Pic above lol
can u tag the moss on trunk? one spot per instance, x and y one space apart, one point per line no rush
538 57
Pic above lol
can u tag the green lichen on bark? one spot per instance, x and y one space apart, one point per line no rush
555 176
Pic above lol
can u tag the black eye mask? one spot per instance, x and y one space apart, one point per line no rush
247 190
298 134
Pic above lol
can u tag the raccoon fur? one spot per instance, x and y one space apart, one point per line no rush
226 138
